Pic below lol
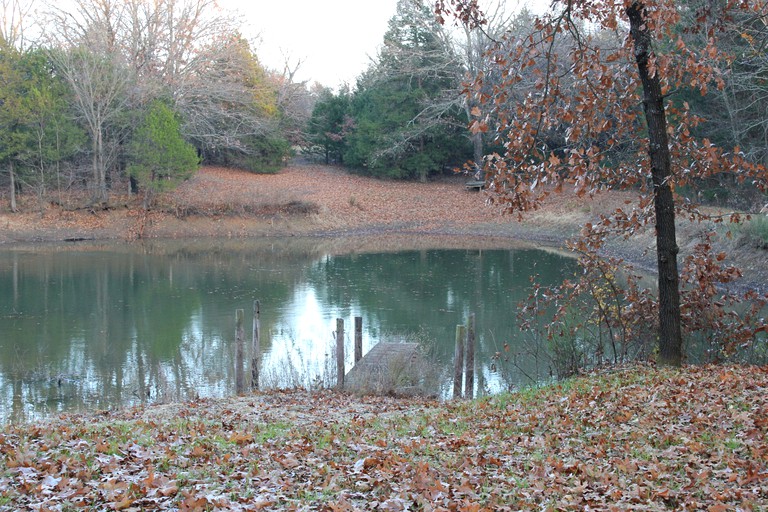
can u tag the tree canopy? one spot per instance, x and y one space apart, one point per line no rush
36 128
593 98
402 120
103 62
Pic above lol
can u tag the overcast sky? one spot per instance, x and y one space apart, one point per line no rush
333 38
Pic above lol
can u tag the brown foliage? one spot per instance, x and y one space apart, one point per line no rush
637 439
583 102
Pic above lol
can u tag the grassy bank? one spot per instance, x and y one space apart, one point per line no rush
640 438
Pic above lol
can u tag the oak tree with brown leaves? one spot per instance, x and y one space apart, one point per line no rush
610 114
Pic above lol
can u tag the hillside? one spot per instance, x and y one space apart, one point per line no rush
362 213
299 200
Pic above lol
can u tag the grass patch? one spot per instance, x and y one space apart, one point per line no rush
754 232
271 431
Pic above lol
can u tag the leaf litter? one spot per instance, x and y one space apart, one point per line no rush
635 439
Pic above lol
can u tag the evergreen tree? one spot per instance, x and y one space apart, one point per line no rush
160 157
13 135
55 137
37 132
330 124
399 131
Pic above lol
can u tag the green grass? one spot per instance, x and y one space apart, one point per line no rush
269 431
754 232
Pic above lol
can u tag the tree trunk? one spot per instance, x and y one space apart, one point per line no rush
477 145
670 334
477 150
99 172
11 173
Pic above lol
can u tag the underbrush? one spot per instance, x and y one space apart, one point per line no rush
754 232
183 210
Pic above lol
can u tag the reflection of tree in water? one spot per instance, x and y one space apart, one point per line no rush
93 329
105 326
80 335
434 290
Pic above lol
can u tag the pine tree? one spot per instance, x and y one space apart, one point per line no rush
400 131
160 157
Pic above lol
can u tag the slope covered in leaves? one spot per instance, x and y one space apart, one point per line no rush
642 439
307 199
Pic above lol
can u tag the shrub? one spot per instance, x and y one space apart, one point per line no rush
160 157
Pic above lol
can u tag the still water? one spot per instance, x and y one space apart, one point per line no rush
88 327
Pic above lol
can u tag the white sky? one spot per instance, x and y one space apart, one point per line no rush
332 38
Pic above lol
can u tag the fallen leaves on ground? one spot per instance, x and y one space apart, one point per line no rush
637 439
346 201
300 199
311 199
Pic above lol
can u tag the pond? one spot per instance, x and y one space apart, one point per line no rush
96 326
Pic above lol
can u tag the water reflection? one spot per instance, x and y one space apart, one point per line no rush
94 327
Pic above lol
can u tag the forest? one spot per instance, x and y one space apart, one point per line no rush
86 97
661 103
134 93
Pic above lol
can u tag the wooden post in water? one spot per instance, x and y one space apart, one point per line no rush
458 360
358 338
239 351
256 346
469 376
340 353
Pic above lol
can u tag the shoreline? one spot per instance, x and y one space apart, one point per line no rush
356 213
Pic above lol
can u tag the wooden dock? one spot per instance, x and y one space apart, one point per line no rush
386 368
475 185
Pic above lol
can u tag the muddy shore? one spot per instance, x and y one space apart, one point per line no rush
342 213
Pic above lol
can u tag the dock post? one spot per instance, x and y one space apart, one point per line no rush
239 351
340 353
358 338
256 346
458 360
469 376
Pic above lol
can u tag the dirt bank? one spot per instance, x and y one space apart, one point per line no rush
321 201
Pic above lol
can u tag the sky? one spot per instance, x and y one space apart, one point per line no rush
333 38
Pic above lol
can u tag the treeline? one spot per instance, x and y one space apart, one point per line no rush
408 114
135 91
140 92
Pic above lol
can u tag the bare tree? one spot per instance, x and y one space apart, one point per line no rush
474 43
162 39
120 55
295 101
85 51
745 96
15 18
187 50
226 97
100 83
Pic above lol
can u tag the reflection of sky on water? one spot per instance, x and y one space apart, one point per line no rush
94 330
303 339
